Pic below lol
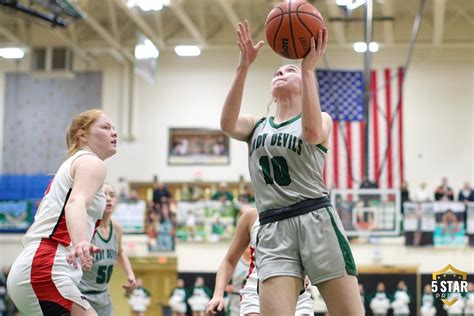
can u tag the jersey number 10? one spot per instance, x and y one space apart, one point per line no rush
281 174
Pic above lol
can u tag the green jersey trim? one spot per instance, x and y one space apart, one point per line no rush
344 245
110 233
324 149
274 125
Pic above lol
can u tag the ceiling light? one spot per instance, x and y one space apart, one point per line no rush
147 5
373 47
360 47
187 50
355 4
12 53
343 2
146 50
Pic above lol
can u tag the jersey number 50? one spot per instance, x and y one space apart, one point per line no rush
281 174
104 273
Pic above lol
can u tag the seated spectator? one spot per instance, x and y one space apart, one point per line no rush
444 192
422 195
248 195
223 194
161 194
466 195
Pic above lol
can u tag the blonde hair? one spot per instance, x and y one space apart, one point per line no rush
82 122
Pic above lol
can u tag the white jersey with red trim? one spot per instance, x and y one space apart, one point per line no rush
50 219
251 280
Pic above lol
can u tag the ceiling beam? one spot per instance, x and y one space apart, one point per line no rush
10 36
72 32
388 33
104 34
229 13
438 21
159 24
336 26
144 27
188 23
462 12
113 19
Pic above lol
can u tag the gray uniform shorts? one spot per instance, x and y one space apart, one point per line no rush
313 244
101 303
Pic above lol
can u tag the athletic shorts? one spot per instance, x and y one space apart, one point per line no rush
41 282
100 302
250 303
313 243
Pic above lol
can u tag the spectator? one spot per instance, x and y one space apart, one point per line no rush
427 302
469 300
404 194
200 295
139 299
223 194
178 299
401 300
164 229
466 195
161 194
422 195
451 225
247 195
368 184
123 189
444 192
380 303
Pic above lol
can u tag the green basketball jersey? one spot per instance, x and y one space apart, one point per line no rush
283 168
96 280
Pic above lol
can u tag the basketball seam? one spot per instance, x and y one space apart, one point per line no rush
306 27
278 29
291 32
283 13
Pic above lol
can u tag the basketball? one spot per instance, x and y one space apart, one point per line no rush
290 26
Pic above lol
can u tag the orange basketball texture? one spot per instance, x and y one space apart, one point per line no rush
290 26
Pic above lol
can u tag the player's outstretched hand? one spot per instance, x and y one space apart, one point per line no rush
216 304
84 251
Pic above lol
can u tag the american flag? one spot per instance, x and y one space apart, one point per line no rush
342 96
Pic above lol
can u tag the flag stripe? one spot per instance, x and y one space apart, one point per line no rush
375 130
400 122
388 107
349 154
362 150
335 155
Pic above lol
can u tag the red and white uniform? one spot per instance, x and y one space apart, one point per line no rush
41 282
249 303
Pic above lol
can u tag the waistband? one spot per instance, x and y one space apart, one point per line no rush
293 210
94 292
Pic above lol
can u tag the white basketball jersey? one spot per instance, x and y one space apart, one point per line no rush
50 219
250 283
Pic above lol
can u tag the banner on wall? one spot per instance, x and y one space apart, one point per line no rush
16 216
